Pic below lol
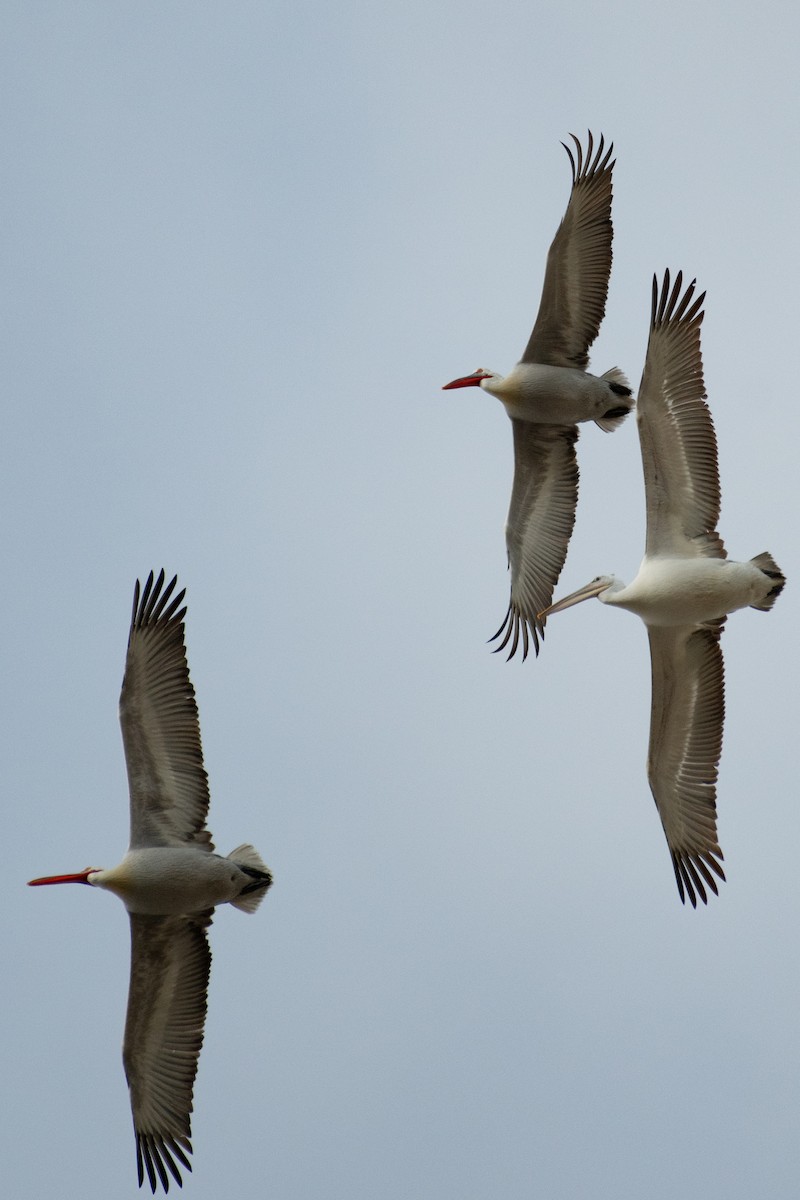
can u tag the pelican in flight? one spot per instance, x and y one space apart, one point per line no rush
549 391
685 588
170 881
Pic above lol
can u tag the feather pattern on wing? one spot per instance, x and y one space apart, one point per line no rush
679 448
541 517
688 710
578 265
160 726
170 964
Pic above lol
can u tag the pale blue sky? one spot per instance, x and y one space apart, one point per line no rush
244 246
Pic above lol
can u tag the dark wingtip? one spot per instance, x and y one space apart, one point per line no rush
591 162
692 873
154 1154
514 625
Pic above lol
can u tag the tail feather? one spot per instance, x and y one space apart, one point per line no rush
621 400
766 563
247 859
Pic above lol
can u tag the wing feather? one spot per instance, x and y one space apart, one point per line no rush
687 715
170 965
541 517
160 726
576 278
679 448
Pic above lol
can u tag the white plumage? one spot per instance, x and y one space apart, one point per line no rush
685 587
549 392
170 881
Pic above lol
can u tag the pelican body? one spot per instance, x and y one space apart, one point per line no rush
550 392
673 591
161 880
544 395
685 588
170 881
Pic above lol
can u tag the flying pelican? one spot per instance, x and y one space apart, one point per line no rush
685 588
549 391
169 881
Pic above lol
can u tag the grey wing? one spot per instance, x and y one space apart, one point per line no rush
160 726
576 278
540 521
676 433
688 711
170 964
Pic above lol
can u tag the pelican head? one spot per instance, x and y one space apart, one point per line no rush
603 586
476 379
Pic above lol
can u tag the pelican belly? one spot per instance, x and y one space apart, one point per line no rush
689 591
166 880
549 395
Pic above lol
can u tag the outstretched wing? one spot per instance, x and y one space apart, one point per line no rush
679 448
160 727
688 710
541 517
575 287
170 964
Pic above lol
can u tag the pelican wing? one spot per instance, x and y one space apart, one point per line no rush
578 265
686 720
160 727
170 964
679 449
540 522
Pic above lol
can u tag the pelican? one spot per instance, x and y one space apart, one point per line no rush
549 391
170 882
685 588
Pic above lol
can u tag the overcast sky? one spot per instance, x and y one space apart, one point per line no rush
244 245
